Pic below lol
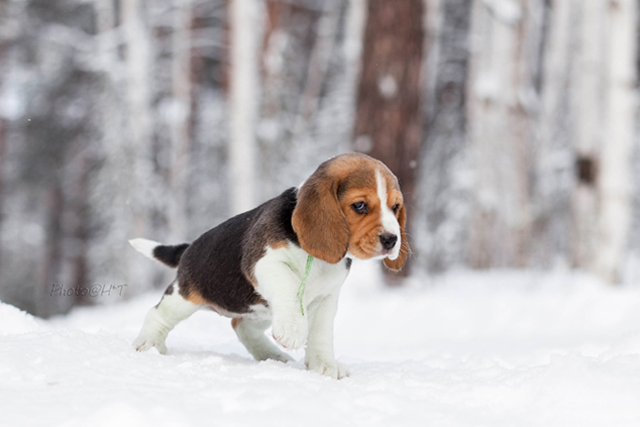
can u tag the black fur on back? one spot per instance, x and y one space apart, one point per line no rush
219 264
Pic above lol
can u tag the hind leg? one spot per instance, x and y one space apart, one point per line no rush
162 318
251 335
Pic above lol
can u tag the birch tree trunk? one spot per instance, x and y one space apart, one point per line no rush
136 149
500 129
180 120
138 59
616 177
443 194
554 168
355 24
243 101
138 62
114 182
588 90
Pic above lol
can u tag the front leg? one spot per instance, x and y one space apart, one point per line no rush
319 356
278 284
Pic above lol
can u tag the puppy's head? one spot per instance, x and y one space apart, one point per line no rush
352 203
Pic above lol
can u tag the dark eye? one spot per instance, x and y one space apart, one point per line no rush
360 207
395 208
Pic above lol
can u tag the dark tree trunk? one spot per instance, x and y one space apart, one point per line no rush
4 47
79 228
3 134
388 122
54 206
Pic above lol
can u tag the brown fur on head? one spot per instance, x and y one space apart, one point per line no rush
326 219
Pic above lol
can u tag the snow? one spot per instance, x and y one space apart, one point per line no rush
507 11
16 321
498 348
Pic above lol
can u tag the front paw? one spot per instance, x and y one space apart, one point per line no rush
144 343
329 367
291 333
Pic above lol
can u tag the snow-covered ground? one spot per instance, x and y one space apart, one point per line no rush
465 349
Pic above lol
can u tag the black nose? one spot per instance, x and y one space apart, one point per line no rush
388 240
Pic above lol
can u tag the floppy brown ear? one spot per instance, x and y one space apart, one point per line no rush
397 263
318 221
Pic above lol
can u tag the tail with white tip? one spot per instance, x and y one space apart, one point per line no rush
167 254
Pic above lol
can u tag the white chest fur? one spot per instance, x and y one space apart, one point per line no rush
307 320
281 271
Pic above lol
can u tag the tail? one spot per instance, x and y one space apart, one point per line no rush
166 254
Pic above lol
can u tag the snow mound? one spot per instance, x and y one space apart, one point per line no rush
465 349
15 321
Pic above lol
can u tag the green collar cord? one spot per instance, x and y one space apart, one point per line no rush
307 270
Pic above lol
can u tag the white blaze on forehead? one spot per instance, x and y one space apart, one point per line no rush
387 218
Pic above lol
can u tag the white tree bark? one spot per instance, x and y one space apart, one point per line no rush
137 148
180 116
113 183
554 155
557 60
442 235
138 63
138 57
498 128
588 91
243 102
616 177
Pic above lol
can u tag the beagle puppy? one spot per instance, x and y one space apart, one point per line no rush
282 264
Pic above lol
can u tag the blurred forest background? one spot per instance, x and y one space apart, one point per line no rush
512 125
